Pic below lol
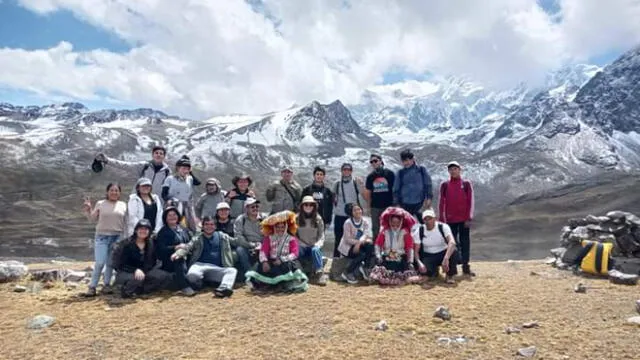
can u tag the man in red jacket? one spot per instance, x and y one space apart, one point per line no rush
456 209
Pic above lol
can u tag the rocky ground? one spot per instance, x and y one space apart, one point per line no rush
335 322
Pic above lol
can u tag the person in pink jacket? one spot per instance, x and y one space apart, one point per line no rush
279 269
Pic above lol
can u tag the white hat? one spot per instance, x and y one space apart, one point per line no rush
222 205
428 213
453 163
250 201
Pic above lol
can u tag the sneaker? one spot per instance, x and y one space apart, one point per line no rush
91 292
222 293
106 290
349 278
322 279
449 280
188 291
365 273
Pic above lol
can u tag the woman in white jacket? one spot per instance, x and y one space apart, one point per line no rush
144 204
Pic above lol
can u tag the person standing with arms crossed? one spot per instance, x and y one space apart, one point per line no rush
378 191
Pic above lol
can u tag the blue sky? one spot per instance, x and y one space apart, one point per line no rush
22 28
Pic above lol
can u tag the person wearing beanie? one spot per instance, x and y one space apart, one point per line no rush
155 169
180 186
456 208
378 190
239 194
321 194
284 194
346 190
144 204
412 188
134 259
170 238
207 203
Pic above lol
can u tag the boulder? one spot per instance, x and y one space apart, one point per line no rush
620 278
578 234
558 252
592 219
570 256
626 245
74 276
574 223
618 216
633 220
626 265
19 289
12 270
51 275
41 322
442 312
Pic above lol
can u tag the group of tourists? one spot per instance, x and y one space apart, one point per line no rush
166 237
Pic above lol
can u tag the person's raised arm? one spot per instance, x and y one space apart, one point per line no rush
120 164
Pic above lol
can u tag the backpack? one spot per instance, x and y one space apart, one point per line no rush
146 167
440 229
423 175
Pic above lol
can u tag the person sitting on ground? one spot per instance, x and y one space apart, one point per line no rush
435 246
321 194
279 269
209 200
394 248
223 219
248 234
180 186
135 261
144 204
239 194
311 237
211 259
356 244
110 214
170 238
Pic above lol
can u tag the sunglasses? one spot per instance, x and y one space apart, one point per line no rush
374 161
253 206
308 205
347 169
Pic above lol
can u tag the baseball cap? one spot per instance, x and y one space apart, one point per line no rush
251 201
144 182
453 163
222 205
428 213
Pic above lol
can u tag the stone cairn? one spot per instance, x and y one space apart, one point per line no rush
620 228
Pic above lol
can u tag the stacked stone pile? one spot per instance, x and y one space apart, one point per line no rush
620 228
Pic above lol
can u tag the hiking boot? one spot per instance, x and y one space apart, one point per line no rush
349 278
222 293
106 290
322 279
364 273
466 270
449 280
91 292
188 291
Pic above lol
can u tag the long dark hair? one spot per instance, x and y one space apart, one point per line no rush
303 215
106 196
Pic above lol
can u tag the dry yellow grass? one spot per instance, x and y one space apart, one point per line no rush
336 322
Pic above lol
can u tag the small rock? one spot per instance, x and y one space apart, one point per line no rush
382 326
638 306
512 330
72 285
533 273
528 351
41 322
530 325
550 260
621 278
19 289
74 276
12 270
461 340
634 320
442 312
108 308
580 288
443 341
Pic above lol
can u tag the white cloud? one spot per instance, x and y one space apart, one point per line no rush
203 57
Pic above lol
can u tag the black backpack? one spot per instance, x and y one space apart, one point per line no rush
440 228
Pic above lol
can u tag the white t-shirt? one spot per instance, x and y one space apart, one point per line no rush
433 242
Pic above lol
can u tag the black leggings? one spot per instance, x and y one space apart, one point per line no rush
365 254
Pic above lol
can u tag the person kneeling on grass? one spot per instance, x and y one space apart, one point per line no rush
135 262
210 259
356 244
394 248
311 236
278 269
436 247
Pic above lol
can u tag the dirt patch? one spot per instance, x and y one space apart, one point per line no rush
336 322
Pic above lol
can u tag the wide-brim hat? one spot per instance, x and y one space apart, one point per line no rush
288 217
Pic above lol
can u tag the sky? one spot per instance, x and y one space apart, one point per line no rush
197 58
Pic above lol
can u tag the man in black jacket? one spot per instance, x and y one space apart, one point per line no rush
379 191
321 194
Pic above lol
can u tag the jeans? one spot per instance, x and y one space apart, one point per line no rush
200 273
462 236
102 250
338 230
365 254
315 253
433 261
375 221
154 279
414 209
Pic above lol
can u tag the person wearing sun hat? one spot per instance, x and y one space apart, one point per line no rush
456 209
311 237
278 269
239 194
